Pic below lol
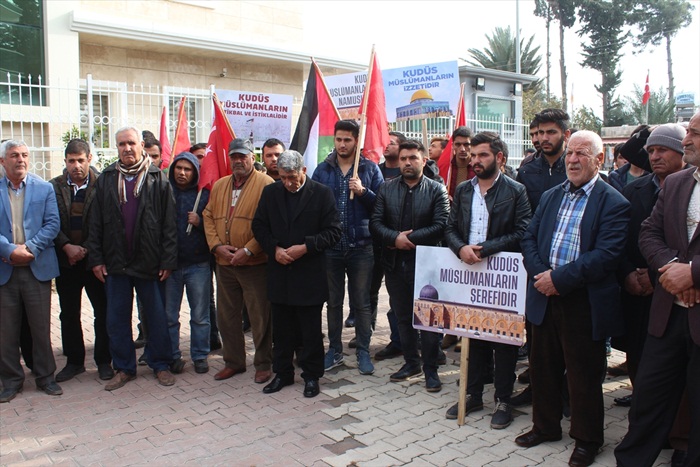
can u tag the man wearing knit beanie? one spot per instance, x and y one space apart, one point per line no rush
670 362
668 135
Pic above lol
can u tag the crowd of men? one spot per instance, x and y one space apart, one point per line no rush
604 260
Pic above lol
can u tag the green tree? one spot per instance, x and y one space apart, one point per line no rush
534 100
661 110
585 119
660 20
500 54
603 22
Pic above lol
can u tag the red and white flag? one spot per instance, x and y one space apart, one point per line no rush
216 162
647 93
163 137
182 133
376 124
445 161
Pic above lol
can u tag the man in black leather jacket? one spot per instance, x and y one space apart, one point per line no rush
410 210
489 214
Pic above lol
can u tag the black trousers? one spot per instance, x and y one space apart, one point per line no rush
69 286
483 354
399 284
287 322
669 364
564 342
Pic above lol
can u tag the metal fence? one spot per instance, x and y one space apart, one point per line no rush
46 115
513 132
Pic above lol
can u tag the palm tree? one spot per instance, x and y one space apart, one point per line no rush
500 54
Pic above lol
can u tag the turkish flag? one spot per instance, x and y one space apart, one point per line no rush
647 94
216 162
445 161
163 137
182 132
376 124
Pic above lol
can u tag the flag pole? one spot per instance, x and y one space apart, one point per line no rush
646 117
196 205
325 88
177 127
363 119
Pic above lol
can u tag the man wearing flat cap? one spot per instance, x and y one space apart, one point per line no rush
240 263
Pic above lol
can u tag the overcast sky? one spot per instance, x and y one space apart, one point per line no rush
418 32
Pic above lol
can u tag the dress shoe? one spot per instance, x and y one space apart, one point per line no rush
678 458
165 378
533 438
277 384
624 401
350 323
119 380
388 352
311 388
524 377
405 372
69 371
523 398
618 370
52 389
105 371
448 341
8 394
227 372
263 376
583 455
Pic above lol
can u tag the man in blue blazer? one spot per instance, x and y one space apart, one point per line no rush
28 225
571 250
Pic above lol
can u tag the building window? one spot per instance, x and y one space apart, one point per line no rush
22 68
495 108
100 118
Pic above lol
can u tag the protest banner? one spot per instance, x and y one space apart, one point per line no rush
484 301
258 116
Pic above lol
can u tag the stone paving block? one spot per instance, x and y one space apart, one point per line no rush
383 460
444 455
409 452
335 435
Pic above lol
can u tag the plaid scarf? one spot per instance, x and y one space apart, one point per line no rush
139 170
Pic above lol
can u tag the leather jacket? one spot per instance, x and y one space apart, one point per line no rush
430 210
509 216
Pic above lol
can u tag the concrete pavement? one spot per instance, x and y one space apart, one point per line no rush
356 420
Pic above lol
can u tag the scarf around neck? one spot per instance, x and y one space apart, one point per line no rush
139 170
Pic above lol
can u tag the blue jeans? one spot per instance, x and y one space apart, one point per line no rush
120 298
196 279
357 263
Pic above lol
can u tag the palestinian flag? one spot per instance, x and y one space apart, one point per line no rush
313 136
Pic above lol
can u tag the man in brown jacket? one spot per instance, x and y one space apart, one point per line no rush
240 263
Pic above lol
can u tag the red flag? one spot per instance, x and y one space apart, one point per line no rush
445 161
182 133
647 94
163 137
377 127
216 162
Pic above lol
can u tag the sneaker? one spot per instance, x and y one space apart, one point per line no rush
165 378
473 405
119 380
201 366
332 360
350 323
364 364
177 366
105 371
442 358
501 416
142 360
432 382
